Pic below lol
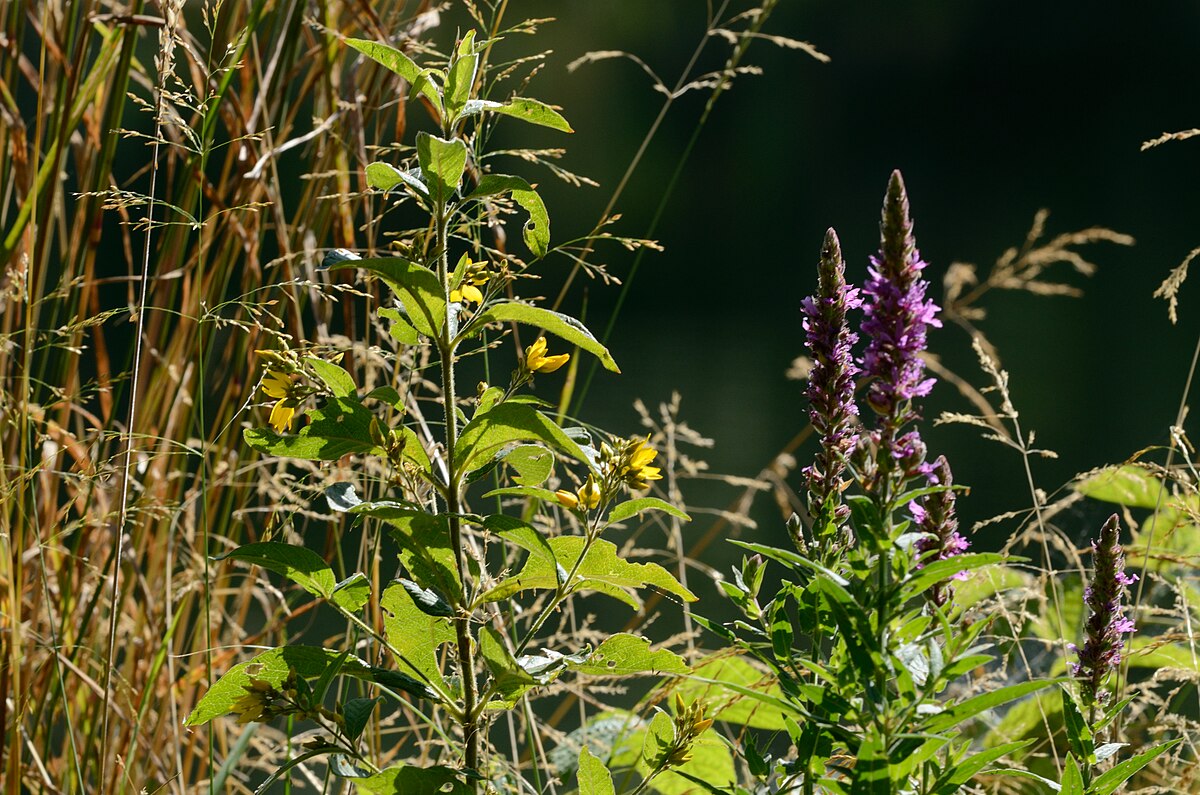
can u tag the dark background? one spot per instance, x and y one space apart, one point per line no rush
991 110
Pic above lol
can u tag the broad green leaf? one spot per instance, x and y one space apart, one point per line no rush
415 634
523 491
536 231
711 766
984 701
528 110
632 507
525 536
341 427
425 550
564 326
442 164
1156 653
594 778
399 63
1127 485
510 678
624 654
271 666
426 599
299 564
601 569
400 329
385 394
352 593
336 378
509 422
660 737
416 286
385 177
1118 774
533 464
409 780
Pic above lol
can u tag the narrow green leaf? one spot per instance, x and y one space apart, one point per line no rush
442 164
1079 734
594 778
536 231
299 564
459 81
632 507
399 63
523 491
527 110
1118 774
982 702
871 774
1072 780
564 326
939 570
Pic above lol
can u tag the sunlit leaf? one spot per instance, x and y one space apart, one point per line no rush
564 326
536 231
442 164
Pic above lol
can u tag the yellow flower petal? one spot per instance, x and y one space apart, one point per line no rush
551 363
471 293
282 415
276 384
566 499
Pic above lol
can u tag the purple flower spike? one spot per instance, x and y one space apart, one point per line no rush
830 384
897 316
934 514
1101 652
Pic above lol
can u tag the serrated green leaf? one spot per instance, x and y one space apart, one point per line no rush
416 286
336 378
415 634
536 231
442 164
624 654
271 666
564 326
594 778
630 507
602 569
409 780
399 63
509 422
341 427
299 564
352 593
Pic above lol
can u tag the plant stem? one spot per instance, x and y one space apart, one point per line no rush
462 622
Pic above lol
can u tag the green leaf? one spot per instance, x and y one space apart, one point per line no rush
385 177
507 423
336 378
341 427
401 64
271 666
510 678
958 775
409 780
982 702
415 634
442 164
728 705
523 491
1079 734
352 593
630 507
711 767
424 540
525 536
564 326
299 564
624 654
660 736
459 82
872 775
528 110
428 600
536 231
400 329
594 778
1072 780
602 569
357 712
533 464
1128 485
416 286
1121 772
939 570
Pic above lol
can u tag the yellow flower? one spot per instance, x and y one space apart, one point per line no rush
468 293
475 276
566 499
590 493
637 472
283 413
536 360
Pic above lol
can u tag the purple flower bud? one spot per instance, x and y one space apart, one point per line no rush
830 384
1103 642
897 316
934 515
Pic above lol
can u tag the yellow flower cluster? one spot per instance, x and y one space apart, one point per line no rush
475 276
627 464
635 470
690 723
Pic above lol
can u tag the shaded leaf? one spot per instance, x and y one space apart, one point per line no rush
416 286
352 593
409 780
299 564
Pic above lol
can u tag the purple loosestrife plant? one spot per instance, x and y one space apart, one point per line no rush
830 388
897 317
934 514
1107 624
